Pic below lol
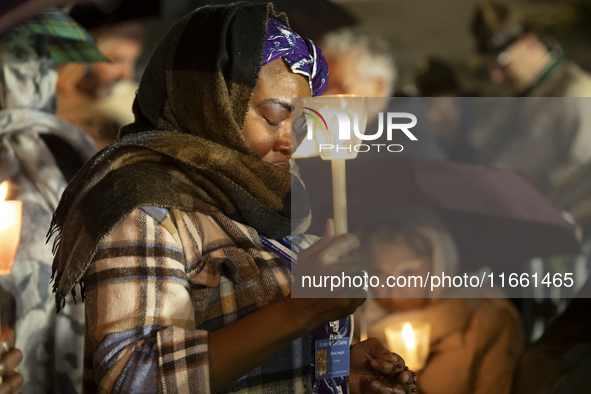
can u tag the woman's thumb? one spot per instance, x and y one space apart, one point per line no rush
329 230
329 234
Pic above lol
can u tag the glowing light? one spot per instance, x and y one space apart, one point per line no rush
10 229
3 190
409 336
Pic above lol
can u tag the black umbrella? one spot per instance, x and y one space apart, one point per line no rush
494 216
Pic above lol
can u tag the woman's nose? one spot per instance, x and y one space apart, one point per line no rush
285 143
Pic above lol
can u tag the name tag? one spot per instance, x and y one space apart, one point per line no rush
332 358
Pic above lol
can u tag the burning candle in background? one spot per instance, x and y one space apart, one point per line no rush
411 347
411 341
10 229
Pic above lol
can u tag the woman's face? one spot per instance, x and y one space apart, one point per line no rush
397 259
268 121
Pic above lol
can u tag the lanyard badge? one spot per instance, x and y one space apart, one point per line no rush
332 355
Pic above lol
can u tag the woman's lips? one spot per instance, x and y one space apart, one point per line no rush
283 166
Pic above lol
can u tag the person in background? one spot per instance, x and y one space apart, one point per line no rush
85 90
359 64
544 140
448 110
476 338
39 154
518 58
544 133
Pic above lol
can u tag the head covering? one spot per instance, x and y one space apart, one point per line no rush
426 222
444 256
68 41
27 77
496 25
302 56
186 149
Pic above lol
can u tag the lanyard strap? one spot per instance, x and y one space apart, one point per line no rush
283 248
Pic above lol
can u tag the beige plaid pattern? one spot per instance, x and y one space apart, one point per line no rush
158 285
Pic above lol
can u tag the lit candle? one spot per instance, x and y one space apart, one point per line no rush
411 341
332 112
408 335
10 229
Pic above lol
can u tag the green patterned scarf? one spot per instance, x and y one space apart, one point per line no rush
186 149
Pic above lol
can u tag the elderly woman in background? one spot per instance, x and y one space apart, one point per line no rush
476 337
179 232
39 154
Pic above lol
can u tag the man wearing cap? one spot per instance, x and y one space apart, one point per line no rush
517 57
544 139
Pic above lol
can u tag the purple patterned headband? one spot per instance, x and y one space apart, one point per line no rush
302 56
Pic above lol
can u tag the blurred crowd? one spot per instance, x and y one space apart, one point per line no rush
54 118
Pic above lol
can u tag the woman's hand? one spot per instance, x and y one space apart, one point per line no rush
328 257
374 369
9 359
265 331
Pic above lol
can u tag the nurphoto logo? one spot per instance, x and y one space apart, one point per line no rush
341 119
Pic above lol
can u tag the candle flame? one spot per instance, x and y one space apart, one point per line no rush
409 336
3 190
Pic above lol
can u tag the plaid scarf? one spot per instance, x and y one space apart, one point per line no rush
186 149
